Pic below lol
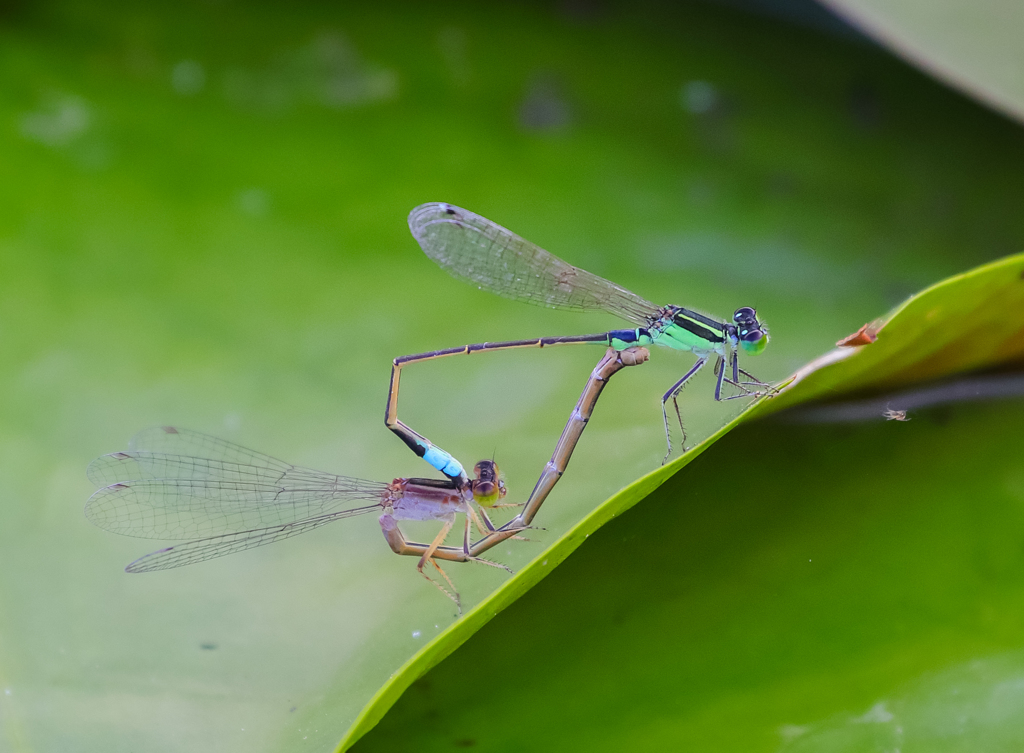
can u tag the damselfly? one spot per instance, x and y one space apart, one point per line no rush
474 249
221 498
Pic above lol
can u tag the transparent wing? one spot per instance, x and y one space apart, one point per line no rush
184 509
223 488
173 440
472 248
219 546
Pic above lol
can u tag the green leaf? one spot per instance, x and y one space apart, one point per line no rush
514 588
862 592
970 321
973 46
230 254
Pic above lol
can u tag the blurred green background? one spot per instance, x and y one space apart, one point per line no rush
202 222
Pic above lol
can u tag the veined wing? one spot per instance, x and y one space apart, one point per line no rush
186 508
173 440
222 488
170 452
219 546
474 249
123 467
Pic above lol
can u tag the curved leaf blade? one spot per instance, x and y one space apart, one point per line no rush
969 321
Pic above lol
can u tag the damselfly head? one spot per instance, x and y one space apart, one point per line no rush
753 336
488 487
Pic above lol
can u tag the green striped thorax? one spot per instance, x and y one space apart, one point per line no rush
682 329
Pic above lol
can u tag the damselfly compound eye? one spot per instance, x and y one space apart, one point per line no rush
486 470
744 314
754 341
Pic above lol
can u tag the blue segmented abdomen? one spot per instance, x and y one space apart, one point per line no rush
444 462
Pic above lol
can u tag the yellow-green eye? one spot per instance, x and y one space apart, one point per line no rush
486 493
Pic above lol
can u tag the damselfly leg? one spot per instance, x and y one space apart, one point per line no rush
435 550
673 395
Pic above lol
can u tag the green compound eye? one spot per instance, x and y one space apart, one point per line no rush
753 341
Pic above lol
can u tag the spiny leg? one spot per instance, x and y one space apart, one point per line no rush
487 520
490 525
745 391
720 373
453 594
477 522
754 381
428 556
682 428
672 393
498 565
758 383
488 531
743 388
466 542
435 551
675 403
735 381
432 547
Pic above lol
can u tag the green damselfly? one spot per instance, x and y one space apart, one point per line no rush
482 253
221 498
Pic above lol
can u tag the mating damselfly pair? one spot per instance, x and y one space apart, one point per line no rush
221 498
